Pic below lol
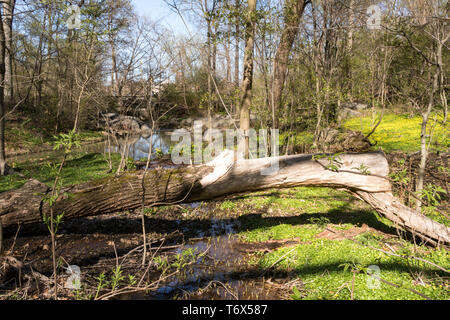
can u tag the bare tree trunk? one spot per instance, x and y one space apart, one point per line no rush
210 75
227 54
293 12
247 82
236 50
2 98
424 138
1 238
317 76
349 49
442 73
8 14
114 73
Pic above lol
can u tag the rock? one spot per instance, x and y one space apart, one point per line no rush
353 141
128 124
328 136
354 106
143 114
331 140
186 122
108 116
145 128
351 110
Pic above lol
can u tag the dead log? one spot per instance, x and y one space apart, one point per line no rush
223 176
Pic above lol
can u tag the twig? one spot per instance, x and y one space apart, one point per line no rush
400 287
132 290
278 261
404 257
14 241
149 264
224 286
344 285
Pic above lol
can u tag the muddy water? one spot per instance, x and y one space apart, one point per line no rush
220 273
138 146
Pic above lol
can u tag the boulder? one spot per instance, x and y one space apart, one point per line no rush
145 128
354 106
129 124
332 140
143 114
351 110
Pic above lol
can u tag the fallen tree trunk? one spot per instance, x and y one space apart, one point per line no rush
363 175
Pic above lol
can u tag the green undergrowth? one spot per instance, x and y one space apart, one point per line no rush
326 269
325 265
20 136
402 132
297 139
304 212
79 168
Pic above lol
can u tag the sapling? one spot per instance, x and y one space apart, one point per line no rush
68 142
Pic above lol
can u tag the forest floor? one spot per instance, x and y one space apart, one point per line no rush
23 135
298 243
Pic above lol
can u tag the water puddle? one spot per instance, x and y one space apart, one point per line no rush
220 271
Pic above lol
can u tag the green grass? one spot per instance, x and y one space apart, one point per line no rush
79 168
321 267
280 232
228 205
401 132
22 136
299 138
19 137
308 200
302 213
87 136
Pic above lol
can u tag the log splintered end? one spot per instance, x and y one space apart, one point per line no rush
221 164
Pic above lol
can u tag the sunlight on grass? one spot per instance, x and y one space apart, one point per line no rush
79 168
320 266
401 132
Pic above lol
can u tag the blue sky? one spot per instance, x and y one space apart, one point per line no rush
157 10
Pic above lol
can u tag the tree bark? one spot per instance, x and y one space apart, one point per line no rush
223 176
293 12
349 50
2 99
236 50
247 81
8 14
424 138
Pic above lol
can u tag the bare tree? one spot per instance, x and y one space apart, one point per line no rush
427 18
8 14
293 11
2 97
247 81
237 41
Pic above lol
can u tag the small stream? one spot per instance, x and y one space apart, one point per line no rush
222 273
137 147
